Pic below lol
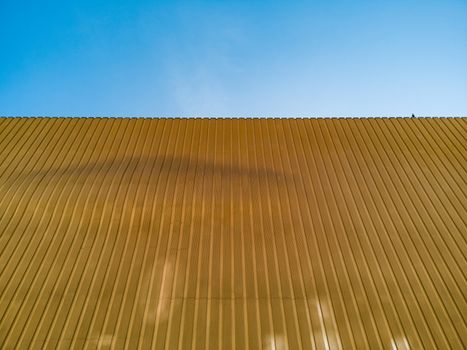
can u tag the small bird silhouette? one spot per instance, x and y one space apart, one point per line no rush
413 115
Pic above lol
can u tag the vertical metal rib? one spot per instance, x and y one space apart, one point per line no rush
246 233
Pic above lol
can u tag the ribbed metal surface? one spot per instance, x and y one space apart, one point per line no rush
245 234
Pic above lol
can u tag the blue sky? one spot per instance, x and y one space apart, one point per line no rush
233 58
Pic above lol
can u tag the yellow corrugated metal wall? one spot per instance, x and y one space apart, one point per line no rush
241 233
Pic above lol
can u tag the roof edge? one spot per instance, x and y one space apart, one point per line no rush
233 117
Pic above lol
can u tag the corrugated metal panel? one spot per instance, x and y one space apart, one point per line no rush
246 233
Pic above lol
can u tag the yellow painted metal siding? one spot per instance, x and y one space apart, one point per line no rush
243 233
